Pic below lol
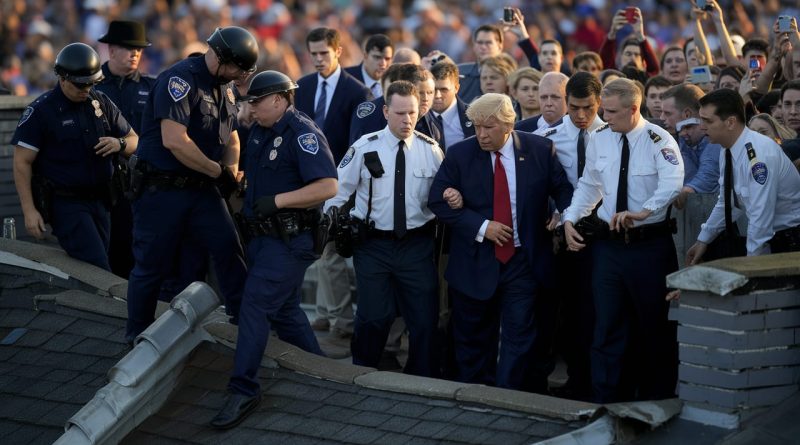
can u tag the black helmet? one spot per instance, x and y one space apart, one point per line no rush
235 45
79 63
268 82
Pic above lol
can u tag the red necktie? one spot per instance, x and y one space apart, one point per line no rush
502 209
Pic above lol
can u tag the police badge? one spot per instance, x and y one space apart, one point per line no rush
277 142
231 99
273 154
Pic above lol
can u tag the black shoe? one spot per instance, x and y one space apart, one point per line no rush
236 408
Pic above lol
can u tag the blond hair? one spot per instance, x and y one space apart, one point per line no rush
492 105
502 63
527 72
626 90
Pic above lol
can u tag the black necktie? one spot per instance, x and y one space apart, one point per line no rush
441 128
319 110
581 152
622 187
400 191
728 186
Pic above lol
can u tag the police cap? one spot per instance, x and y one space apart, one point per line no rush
235 45
268 82
79 63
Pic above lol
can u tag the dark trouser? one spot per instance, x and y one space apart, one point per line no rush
391 274
629 282
160 220
82 228
120 251
272 298
510 315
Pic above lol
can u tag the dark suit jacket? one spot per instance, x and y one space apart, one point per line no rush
473 268
348 93
355 71
466 124
531 124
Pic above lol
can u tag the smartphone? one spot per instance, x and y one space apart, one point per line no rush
701 74
508 15
703 4
755 64
785 23
630 14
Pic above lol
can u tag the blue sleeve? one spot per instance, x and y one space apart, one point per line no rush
464 220
31 129
314 157
530 50
172 97
119 125
706 180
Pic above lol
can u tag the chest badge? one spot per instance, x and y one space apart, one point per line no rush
231 99
97 111
468 124
273 154
277 142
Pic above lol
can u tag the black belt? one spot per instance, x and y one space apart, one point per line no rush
643 232
172 181
427 229
284 224
96 193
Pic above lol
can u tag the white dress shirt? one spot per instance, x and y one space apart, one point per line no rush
451 123
767 188
330 85
509 165
423 159
565 139
373 84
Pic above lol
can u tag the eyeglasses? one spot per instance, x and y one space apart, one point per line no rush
83 86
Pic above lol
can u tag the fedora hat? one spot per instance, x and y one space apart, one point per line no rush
125 33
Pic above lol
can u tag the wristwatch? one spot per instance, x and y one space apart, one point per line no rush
122 144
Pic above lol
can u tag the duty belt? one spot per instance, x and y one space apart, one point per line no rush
281 225
163 180
428 228
644 232
92 193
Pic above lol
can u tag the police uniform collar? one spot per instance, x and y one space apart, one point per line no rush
637 130
283 122
394 140
738 148
198 65
59 95
134 76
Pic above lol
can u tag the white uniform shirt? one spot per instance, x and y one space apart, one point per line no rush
565 139
655 173
767 187
423 158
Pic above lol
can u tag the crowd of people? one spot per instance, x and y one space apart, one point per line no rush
502 177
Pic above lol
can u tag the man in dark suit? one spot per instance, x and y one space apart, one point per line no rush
448 109
329 96
553 100
378 51
493 190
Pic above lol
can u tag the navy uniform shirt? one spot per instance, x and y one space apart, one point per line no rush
129 93
64 134
286 157
188 94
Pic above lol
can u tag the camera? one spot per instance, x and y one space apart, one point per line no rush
701 74
755 64
785 23
630 14
508 15
703 4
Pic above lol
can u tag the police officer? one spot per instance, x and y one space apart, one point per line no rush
290 174
62 160
758 179
391 172
635 167
189 145
129 89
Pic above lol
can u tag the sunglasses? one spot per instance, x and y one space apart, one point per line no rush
83 86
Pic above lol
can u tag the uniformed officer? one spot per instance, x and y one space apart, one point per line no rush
189 144
573 300
62 159
635 167
764 182
129 89
391 172
290 174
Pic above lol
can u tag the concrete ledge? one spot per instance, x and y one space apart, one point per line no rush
763 266
14 102
93 276
527 402
84 301
411 384
706 278
750 398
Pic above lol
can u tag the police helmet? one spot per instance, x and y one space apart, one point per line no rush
79 63
235 45
268 82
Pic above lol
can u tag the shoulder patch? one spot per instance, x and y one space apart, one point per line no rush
601 128
365 109
426 138
669 155
351 152
309 143
374 137
655 137
25 116
550 132
178 88
759 172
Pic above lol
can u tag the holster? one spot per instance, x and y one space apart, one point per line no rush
321 230
136 174
120 179
345 232
42 191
